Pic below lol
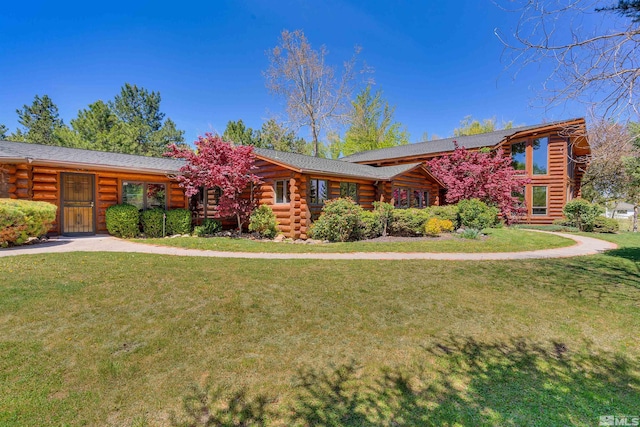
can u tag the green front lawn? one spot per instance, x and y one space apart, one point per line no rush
498 240
121 339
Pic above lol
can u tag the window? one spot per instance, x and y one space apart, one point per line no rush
539 205
540 156
419 199
401 196
349 189
282 191
144 195
318 191
518 156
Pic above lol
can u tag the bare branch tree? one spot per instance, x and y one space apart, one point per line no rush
592 47
314 96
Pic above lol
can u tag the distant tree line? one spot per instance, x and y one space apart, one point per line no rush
130 123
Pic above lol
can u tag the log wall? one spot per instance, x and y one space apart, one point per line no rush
42 182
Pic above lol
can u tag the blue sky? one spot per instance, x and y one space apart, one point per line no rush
436 61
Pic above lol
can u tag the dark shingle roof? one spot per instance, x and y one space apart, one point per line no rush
76 156
489 139
319 165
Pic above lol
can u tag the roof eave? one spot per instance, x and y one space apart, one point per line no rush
90 166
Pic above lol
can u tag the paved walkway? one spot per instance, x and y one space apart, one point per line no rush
103 243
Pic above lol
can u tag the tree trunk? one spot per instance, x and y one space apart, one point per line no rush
635 218
239 224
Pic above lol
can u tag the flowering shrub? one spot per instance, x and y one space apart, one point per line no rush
489 177
435 226
219 164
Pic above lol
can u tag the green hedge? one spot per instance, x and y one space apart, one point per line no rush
152 221
123 221
178 221
22 219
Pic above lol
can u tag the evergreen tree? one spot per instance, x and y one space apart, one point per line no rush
41 122
3 132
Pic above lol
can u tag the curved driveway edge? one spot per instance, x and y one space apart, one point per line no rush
101 243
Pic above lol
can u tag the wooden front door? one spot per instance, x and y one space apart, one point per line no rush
78 203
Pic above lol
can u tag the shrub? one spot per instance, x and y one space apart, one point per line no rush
339 221
448 212
408 222
474 213
605 225
178 221
370 225
209 227
581 213
470 233
435 226
123 220
22 219
153 222
263 221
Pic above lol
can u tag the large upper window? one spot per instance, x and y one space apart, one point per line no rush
144 195
539 205
540 148
281 189
519 156
349 189
318 191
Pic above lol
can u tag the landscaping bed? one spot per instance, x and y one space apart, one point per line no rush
496 240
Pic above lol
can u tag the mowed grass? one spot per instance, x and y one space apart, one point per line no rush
497 240
121 339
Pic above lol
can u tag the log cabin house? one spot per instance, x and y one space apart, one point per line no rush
553 155
84 183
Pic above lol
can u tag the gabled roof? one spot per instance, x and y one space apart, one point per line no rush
309 164
10 150
490 139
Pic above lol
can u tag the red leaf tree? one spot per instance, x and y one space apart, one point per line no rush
219 164
488 176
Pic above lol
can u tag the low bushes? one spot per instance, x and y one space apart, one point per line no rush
126 220
178 221
435 226
263 221
344 220
123 221
476 214
22 219
340 221
152 221
582 214
605 225
209 227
